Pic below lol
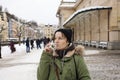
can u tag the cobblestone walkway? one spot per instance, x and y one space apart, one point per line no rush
104 66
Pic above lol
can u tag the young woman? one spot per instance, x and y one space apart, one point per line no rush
64 61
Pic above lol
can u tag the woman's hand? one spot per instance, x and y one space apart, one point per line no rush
48 47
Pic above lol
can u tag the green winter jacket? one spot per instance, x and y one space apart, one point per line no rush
52 68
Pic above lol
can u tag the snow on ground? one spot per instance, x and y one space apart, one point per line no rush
19 65
88 52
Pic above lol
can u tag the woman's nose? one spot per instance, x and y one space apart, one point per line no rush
56 40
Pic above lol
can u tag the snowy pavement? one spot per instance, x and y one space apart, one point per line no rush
23 66
19 65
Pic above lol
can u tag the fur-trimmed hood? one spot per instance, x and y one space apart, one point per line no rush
79 49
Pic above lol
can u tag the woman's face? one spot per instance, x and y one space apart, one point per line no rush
60 41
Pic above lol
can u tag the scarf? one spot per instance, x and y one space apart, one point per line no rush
62 53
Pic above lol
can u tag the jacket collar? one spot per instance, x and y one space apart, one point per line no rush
78 50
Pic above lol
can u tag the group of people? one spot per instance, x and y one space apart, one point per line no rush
30 43
63 61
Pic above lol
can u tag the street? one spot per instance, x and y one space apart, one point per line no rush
102 64
19 65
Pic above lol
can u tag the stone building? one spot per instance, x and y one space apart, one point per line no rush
15 28
94 22
48 30
4 24
11 26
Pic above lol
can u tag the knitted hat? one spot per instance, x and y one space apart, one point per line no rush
67 33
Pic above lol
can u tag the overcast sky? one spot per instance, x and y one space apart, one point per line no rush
41 11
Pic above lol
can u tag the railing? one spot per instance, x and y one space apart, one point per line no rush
103 45
96 44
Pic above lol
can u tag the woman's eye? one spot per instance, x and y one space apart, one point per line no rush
61 38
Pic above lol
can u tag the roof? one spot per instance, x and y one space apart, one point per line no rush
86 10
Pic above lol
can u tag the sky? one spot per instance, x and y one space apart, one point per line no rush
41 11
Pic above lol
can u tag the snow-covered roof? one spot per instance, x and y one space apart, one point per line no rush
85 10
69 0
66 5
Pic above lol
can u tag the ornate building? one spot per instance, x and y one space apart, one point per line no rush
94 22
48 30
15 28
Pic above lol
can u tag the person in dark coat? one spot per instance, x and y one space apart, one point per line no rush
32 43
38 42
27 45
12 47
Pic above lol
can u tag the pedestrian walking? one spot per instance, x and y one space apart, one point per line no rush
62 60
27 45
38 42
32 43
12 47
45 41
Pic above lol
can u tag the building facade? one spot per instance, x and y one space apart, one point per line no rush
3 24
48 30
94 22
15 28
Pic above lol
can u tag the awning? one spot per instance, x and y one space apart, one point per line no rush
86 10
